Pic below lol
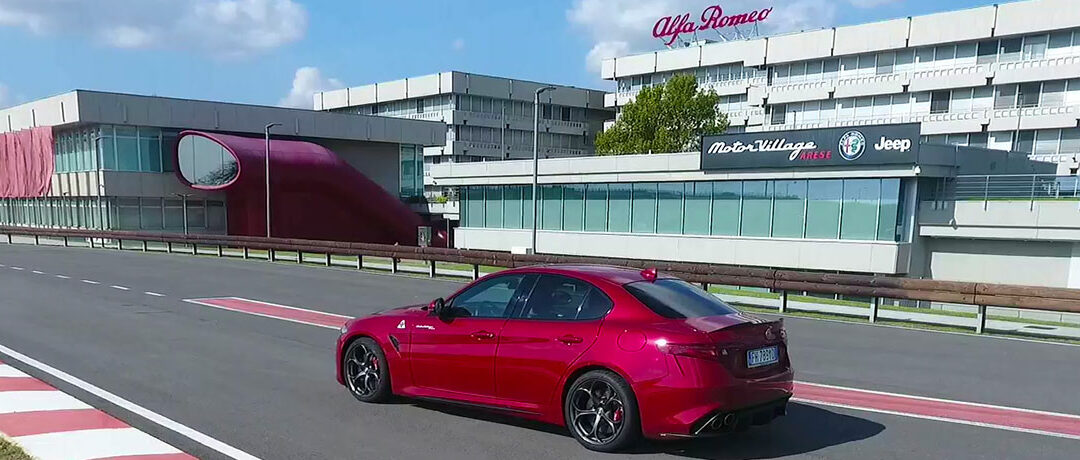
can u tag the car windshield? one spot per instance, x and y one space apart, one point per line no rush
674 298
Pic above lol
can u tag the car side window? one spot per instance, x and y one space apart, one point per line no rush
487 299
558 297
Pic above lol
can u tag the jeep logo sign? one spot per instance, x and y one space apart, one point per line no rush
902 145
830 147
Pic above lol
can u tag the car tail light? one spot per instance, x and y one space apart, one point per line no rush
693 350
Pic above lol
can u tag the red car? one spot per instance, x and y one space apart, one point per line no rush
611 353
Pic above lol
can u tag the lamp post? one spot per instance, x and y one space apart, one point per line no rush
267 130
183 206
536 158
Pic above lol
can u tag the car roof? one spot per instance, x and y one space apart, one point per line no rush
610 273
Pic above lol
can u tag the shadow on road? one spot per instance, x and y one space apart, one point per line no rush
804 429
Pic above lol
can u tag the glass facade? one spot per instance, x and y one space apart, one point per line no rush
411 182
115 148
834 209
115 213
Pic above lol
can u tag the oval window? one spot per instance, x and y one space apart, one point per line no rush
205 162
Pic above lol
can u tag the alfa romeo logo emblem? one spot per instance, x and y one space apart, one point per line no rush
852 145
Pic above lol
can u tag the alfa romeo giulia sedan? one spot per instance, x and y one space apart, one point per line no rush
613 354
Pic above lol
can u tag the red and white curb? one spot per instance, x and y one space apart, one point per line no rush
52 425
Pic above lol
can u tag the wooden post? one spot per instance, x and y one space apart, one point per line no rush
328 259
168 247
874 309
359 261
65 241
299 257
393 265
220 251
475 271
980 320
247 253
144 248
270 254
783 301
431 270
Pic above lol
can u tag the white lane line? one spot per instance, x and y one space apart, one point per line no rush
154 417
122 288
63 277
90 444
90 282
153 294
2 265
32 401
38 272
17 268
8 371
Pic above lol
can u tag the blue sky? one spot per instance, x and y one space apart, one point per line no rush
263 51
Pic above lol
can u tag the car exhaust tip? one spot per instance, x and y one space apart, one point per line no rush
729 420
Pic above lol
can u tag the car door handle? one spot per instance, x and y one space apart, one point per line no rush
482 335
569 339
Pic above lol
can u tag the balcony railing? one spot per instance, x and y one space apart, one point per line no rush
1038 63
979 114
1006 187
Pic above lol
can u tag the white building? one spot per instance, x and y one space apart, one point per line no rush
1003 76
488 118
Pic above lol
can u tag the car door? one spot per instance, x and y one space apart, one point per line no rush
555 323
457 353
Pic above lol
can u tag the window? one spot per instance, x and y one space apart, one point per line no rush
1059 44
669 208
888 213
493 207
789 209
676 299
474 207
643 217
1046 141
1025 142
885 63
619 207
756 208
726 207
860 209
696 208
823 198
550 207
1028 95
905 60
1053 93
512 206
961 100
978 140
939 102
1034 47
1010 49
556 298
779 112
203 161
987 52
596 207
1005 98
486 299
573 207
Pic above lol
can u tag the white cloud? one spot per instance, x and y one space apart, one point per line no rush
620 27
223 28
458 44
307 82
5 96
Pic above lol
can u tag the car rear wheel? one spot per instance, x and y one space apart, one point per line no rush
601 412
366 373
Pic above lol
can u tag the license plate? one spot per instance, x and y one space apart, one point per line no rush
762 356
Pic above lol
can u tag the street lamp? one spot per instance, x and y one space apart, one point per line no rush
536 157
183 205
267 130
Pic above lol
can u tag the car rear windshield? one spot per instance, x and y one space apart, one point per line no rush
673 298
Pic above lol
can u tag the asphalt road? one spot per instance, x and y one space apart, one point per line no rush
266 386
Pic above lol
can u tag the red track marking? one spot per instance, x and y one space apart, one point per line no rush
254 307
1047 423
56 421
23 384
151 457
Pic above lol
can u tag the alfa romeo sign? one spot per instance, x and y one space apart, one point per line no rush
868 145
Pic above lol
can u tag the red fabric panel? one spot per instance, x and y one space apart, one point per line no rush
26 163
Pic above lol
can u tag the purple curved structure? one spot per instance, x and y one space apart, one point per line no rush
314 194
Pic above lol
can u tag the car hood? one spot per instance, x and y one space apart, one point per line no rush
408 310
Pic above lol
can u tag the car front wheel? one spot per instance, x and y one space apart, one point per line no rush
366 373
601 412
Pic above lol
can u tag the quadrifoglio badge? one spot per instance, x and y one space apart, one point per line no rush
852 145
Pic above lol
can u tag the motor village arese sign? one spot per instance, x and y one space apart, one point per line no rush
869 145
668 28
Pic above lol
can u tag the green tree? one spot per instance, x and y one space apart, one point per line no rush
663 119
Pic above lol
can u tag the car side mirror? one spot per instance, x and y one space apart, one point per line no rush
439 308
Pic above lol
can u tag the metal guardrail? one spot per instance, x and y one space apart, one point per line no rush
874 287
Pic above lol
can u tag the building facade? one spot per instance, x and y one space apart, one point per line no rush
855 200
97 160
1003 76
488 118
